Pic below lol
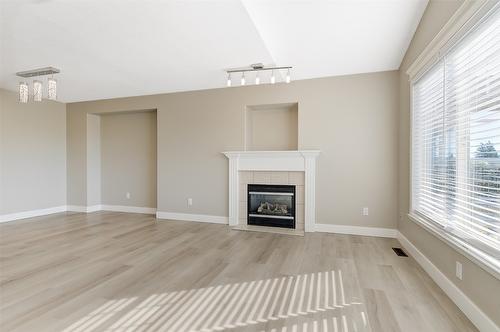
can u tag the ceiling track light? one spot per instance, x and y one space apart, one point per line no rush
37 93
257 68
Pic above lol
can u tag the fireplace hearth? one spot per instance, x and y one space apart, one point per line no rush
271 205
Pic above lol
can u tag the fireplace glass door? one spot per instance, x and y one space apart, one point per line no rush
271 205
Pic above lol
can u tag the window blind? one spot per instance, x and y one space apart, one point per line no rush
456 139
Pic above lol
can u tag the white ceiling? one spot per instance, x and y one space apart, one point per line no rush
118 48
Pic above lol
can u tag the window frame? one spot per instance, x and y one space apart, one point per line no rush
466 19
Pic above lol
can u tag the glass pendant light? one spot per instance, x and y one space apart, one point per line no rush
243 79
37 90
257 79
273 78
23 92
52 89
288 76
229 80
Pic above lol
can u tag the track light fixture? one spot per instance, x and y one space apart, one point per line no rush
257 68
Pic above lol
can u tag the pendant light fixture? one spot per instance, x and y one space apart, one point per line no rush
23 92
258 67
52 89
37 92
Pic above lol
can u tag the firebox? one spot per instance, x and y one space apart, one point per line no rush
271 205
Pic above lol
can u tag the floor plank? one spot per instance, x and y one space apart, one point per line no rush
108 271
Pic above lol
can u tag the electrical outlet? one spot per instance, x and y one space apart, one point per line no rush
365 211
458 271
127 195
190 201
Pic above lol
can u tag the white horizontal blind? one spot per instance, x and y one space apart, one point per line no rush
456 139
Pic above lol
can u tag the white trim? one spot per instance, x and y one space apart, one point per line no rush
93 208
469 308
32 213
357 230
76 208
115 208
192 217
433 51
83 209
129 209
287 161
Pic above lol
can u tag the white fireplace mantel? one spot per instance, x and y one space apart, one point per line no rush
302 160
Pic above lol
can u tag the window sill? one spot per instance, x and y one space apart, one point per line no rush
484 261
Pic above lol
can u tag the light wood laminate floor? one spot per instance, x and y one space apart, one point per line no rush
109 271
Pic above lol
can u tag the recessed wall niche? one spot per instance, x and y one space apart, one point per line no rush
272 127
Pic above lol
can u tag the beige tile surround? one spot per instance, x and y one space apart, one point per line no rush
272 177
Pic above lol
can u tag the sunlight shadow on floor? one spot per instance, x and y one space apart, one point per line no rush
319 297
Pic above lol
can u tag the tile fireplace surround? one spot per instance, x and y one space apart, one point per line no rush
275 165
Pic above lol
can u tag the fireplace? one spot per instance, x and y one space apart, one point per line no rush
271 205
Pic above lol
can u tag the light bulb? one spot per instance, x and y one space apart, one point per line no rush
52 89
288 76
273 78
37 90
229 80
23 92
243 79
257 79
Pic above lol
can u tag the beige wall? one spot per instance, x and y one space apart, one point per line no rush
478 284
128 159
351 119
93 159
33 154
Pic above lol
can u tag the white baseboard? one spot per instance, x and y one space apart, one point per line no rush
93 208
469 308
32 213
114 208
83 208
129 209
192 217
356 230
75 208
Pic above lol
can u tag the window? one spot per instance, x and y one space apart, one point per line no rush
456 141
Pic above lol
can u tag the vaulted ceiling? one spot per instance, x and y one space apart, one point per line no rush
119 48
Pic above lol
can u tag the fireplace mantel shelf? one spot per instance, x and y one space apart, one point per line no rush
296 160
271 154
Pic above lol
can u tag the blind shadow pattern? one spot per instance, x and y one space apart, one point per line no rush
305 302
